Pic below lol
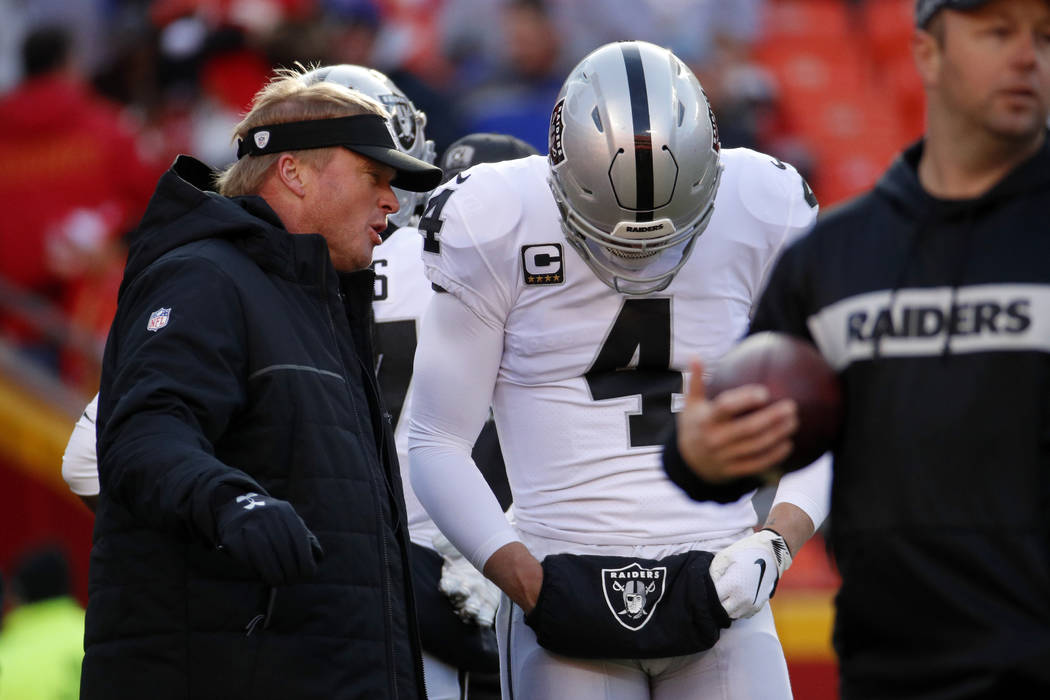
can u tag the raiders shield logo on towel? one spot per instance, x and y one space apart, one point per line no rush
633 592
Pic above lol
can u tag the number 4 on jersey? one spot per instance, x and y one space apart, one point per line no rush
430 222
635 360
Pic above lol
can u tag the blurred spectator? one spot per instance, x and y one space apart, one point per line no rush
42 639
357 25
690 28
72 181
517 98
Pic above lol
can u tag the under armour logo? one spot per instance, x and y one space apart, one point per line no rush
251 502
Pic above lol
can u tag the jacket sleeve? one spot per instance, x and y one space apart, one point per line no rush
700 489
782 306
779 309
173 379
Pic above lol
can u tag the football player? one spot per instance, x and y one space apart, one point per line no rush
574 290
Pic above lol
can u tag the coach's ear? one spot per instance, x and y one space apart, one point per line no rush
289 170
927 46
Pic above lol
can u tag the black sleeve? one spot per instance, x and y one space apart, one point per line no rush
168 395
696 488
784 303
780 308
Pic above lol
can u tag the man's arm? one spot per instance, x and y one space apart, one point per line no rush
79 464
456 364
168 395
739 433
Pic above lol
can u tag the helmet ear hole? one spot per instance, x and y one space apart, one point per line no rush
597 119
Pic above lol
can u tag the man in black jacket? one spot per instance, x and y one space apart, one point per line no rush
250 535
931 296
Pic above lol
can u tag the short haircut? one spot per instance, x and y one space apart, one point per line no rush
935 28
42 574
288 98
46 49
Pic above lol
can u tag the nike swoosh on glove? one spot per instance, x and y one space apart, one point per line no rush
474 597
266 534
746 572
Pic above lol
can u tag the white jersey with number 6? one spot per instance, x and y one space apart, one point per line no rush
402 293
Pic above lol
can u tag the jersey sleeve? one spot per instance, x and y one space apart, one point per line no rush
79 464
455 371
778 196
808 488
467 249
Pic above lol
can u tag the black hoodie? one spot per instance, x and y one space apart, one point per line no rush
937 315
240 361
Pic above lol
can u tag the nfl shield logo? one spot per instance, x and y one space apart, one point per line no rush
633 592
262 138
158 319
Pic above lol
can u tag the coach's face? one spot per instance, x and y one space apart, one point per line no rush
991 66
348 205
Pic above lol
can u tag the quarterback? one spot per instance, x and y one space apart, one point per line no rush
573 292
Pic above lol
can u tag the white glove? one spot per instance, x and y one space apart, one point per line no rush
474 597
746 572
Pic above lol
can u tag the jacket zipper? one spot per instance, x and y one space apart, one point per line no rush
376 491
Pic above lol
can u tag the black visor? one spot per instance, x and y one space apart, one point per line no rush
365 134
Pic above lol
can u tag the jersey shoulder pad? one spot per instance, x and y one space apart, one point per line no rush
472 227
484 204
769 190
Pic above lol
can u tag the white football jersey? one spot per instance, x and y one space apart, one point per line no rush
589 379
402 293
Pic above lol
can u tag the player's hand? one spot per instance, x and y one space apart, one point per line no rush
738 433
746 572
266 534
474 597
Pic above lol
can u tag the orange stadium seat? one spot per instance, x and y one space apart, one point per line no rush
888 27
847 85
803 21
820 67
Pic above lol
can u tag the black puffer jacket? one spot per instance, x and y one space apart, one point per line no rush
262 380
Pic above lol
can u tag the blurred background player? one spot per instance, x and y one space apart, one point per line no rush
573 298
929 295
75 181
42 638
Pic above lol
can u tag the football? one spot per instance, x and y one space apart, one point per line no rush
790 368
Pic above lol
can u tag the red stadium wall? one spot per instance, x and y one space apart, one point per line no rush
33 512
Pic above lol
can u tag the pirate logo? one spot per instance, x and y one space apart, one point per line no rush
403 120
633 592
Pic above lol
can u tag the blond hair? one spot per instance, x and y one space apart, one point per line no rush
289 98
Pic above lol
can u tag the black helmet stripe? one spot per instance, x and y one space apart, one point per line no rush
643 139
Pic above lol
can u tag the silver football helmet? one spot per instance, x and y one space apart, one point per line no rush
406 123
635 163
